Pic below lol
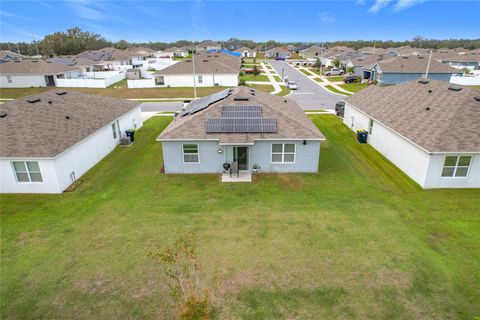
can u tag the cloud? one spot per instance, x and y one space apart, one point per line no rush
15 16
405 4
325 17
86 10
378 5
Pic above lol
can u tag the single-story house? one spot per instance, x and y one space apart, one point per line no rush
211 69
278 52
241 126
405 68
246 52
173 52
35 73
429 129
208 45
312 52
49 140
358 64
372 50
331 54
469 60
111 58
7 55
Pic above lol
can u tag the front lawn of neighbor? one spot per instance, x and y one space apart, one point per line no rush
335 90
251 77
335 78
358 240
353 87
123 93
265 87
305 72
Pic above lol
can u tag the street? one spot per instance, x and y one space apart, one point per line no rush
161 106
309 95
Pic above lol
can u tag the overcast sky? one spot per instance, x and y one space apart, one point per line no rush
316 21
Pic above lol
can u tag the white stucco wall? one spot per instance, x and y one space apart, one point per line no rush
23 81
209 80
434 177
79 158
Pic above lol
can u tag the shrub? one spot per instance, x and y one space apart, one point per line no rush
241 82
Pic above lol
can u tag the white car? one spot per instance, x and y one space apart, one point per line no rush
292 85
334 72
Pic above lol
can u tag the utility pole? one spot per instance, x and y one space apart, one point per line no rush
18 49
374 42
194 76
428 64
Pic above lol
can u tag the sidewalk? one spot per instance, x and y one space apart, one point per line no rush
325 82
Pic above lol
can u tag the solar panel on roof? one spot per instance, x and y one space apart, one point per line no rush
241 111
203 103
241 125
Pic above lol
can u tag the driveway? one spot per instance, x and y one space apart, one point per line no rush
309 94
161 106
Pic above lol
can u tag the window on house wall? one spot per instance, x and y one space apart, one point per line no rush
190 153
27 171
283 153
370 126
9 79
456 166
114 130
200 79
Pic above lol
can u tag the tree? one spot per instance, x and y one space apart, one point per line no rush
181 267
350 70
122 45
256 71
318 64
72 42
336 62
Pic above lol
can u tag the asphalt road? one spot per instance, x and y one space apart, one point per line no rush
309 94
161 106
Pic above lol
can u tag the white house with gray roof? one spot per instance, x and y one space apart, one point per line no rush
429 129
49 140
241 127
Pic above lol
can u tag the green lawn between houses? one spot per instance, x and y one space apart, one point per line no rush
251 77
358 240
353 87
335 90
335 78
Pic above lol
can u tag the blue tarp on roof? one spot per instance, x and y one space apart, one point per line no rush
235 54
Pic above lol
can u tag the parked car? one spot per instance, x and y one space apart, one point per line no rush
352 79
340 108
279 58
292 85
248 70
301 62
334 72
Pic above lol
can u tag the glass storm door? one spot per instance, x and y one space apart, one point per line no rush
240 155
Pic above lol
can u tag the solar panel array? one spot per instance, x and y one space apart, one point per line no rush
241 112
241 119
203 103
241 125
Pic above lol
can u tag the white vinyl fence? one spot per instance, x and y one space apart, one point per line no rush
466 80
93 80
142 83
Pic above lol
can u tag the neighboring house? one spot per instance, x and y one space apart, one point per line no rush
243 126
211 69
311 52
405 68
469 60
246 52
360 63
372 50
85 64
49 140
110 58
7 55
331 54
208 45
35 73
427 128
173 52
278 52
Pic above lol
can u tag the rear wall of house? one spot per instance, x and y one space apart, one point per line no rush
396 78
22 81
434 177
208 80
9 184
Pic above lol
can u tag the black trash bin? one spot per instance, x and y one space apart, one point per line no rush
131 134
362 136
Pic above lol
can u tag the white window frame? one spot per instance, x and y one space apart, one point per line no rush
114 130
283 153
183 153
456 166
370 126
9 79
28 172
200 78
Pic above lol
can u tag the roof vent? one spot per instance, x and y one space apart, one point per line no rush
67 117
427 108
205 60
455 88
404 57
33 100
49 102
420 57
423 81
477 98
61 93
240 98
429 91
16 61
285 100
3 114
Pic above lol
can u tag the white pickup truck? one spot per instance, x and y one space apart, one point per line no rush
334 72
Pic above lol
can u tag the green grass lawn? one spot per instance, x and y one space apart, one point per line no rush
265 87
122 92
251 77
353 87
285 91
277 78
314 70
317 79
358 240
334 90
305 72
335 78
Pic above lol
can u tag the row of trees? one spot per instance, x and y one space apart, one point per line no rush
75 40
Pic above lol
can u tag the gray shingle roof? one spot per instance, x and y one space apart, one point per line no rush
291 120
41 129
451 124
40 67
414 64
211 63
